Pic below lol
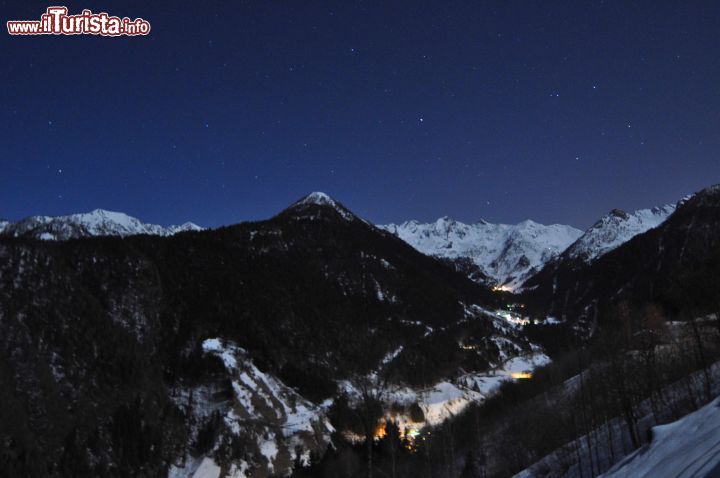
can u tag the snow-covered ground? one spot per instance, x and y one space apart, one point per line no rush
275 418
250 384
689 447
611 443
507 254
516 368
447 398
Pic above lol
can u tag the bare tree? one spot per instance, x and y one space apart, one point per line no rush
369 410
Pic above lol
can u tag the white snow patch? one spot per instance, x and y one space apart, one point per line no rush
216 347
392 355
238 470
207 469
269 450
445 400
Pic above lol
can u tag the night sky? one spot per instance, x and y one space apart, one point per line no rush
229 111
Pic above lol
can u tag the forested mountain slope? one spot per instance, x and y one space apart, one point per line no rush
137 355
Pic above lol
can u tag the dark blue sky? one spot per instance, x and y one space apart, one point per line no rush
228 111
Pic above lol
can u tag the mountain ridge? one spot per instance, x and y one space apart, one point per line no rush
506 254
98 222
667 266
614 229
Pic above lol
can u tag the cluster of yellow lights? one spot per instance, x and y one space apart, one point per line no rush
410 435
521 375
502 288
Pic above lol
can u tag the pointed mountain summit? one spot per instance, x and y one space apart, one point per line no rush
319 198
316 205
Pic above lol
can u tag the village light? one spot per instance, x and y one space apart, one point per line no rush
521 375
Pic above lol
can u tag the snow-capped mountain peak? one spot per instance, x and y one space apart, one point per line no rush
186 226
305 206
98 222
506 254
318 198
615 229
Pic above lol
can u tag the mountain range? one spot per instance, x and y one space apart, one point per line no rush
498 255
505 255
230 348
244 350
98 222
